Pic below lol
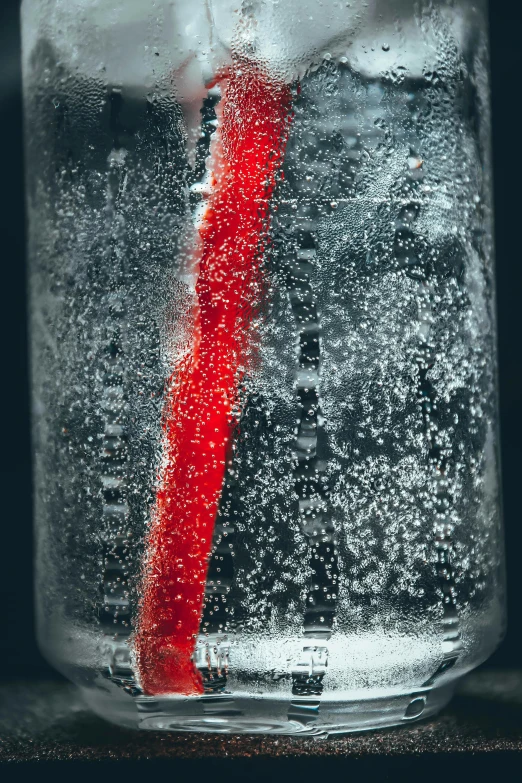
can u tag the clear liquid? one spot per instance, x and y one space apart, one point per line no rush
357 548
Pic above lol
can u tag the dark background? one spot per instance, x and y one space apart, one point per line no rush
19 656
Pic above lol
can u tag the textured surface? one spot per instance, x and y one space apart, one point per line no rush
47 721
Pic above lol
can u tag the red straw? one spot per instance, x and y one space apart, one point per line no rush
254 116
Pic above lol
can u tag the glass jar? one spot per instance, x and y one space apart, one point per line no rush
263 358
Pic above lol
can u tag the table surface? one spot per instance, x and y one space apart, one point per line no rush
49 722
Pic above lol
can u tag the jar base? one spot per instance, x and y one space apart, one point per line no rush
300 716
